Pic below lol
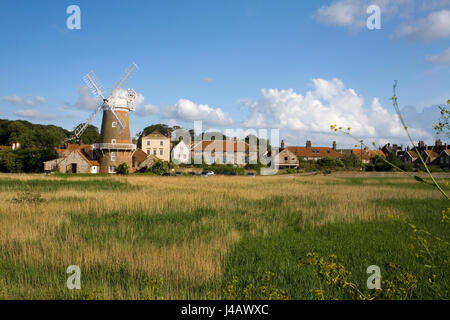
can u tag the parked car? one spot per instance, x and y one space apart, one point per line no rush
166 174
178 174
207 173
229 173
251 174
192 173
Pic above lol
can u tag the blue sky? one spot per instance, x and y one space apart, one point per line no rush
210 61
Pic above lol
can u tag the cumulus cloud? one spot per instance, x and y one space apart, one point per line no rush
30 101
442 58
148 110
435 26
35 114
329 102
352 13
187 110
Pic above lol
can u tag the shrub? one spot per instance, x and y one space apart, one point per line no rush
123 168
159 167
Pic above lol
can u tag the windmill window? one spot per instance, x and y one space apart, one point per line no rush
113 156
113 141
114 124
112 169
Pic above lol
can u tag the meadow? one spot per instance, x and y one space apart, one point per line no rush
149 237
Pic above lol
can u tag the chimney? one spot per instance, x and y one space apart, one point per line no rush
181 138
282 144
234 139
438 143
134 140
421 144
168 133
308 144
407 148
334 145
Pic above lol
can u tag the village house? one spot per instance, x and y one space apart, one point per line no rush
181 152
157 144
368 156
314 153
284 158
221 152
444 159
73 159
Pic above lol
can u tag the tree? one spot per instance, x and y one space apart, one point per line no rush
90 136
123 169
352 161
159 167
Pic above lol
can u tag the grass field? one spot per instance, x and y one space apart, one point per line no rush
146 237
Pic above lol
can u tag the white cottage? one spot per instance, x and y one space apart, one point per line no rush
181 153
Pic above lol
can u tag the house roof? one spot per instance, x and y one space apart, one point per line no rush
431 154
368 154
412 154
155 134
221 146
314 152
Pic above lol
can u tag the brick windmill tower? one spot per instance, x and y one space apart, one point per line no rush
115 145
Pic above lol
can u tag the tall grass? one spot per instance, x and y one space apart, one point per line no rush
197 234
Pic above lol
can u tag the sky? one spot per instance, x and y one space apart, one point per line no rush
296 66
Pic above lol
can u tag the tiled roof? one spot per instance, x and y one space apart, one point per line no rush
221 146
314 152
368 154
155 134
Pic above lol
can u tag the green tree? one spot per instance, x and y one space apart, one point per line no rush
90 136
159 167
352 161
123 169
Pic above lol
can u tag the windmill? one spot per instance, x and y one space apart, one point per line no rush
114 147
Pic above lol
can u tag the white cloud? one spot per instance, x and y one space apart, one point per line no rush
30 101
352 13
208 80
189 111
329 102
442 58
435 26
148 110
85 100
35 115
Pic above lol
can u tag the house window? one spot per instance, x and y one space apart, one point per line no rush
113 156
114 124
160 152
113 141
112 169
148 143
161 143
154 152
148 151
